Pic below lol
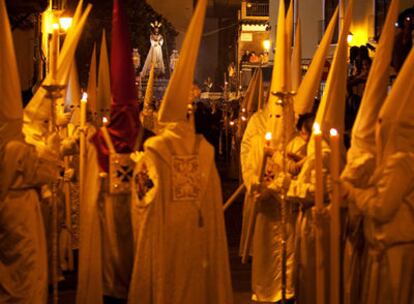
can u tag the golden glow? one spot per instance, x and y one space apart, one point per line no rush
333 132
55 26
359 36
84 97
65 23
266 44
104 121
268 136
316 129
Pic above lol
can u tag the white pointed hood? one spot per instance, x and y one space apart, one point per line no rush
92 94
296 62
38 109
331 110
363 131
280 120
177 96
253 98
73 95
149 92
311 82
11 110
104 97
395 125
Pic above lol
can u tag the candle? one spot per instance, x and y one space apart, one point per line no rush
335 217
83 104
317 135
106 135
54 49
268 138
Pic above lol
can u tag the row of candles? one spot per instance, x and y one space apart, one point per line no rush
334 212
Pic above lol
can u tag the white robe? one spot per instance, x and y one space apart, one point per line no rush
181 253
266 245
23 257
302 191
106 242
388 209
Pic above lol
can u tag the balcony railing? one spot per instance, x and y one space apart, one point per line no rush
255 10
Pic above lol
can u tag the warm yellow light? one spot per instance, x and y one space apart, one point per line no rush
333 132
65 23
349 38
266 44
84 97
55 26
316 129
104 121
268 136
231 123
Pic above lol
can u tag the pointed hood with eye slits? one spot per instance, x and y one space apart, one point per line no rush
124 124
39 109
177 95
280 119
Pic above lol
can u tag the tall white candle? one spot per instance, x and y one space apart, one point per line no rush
335 217
317 134
83 107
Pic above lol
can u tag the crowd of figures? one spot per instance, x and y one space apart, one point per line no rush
150 209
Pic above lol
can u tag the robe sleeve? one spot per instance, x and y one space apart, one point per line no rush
23 159
381 201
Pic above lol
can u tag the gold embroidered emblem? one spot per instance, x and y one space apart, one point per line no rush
185 177
120 173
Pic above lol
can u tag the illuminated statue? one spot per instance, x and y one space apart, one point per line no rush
155 52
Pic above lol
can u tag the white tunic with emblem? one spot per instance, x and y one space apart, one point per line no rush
181 249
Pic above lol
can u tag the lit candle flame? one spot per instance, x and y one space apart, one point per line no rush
333 132
55 26
104 121
84 97
268 136
231 123
316 129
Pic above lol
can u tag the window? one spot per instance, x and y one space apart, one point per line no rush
381 8
328 10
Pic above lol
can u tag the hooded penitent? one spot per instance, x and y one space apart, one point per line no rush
280 120
311 82
124 122
363 131
38 109
104 81
23 262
